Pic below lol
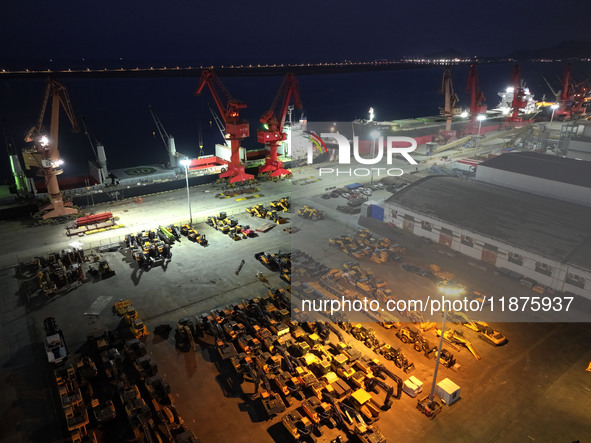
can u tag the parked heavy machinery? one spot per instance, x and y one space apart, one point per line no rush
297 425
491 336
44 155
408 334
236 128
381 371
274 216
446 358
185 335
283 204
138 329
457 337
310 213
272 135
365 335
397 356
257 211
105 270
372 383
362 401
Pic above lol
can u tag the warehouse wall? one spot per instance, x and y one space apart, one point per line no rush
490 250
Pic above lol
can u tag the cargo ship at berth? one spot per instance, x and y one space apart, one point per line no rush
105 185
430 129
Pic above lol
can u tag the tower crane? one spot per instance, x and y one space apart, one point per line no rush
237 129
44 154
477 98
518 96
272 135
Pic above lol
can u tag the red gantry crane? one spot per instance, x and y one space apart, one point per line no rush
44 156
272 135
572 97
237 129
519 100
477 98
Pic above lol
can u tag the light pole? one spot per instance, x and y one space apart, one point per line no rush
480 119
374 135
445 290
554 108
186 162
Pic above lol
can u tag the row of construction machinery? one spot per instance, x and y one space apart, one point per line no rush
310 213
281 363
365 244
152 247
324 288
260 211
116 378
230 227
124 308
305 266
192 234
48 275
278 262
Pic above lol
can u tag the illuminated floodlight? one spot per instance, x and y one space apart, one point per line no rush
44 141
464 114
185 162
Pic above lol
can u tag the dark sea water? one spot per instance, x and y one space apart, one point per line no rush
116 110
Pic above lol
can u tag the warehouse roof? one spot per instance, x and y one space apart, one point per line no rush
550 167
549 227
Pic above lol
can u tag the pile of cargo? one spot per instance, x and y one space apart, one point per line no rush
92 224
230 227
50 275
152 247
364 244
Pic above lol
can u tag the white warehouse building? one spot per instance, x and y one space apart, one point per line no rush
542 238
542 174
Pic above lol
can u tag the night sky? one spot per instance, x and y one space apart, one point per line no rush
260 31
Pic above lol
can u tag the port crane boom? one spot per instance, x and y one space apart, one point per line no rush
451 99
519 100
273 134
44 155
237 129
477 99
167 139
